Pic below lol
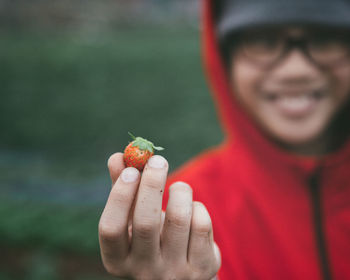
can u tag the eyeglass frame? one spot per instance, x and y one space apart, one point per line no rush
290 43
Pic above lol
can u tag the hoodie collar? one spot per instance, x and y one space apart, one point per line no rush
237 125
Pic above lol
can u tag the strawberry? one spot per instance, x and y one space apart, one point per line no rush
137 153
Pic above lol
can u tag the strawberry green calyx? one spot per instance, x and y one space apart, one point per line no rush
144 144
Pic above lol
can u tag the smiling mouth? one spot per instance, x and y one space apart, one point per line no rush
295 104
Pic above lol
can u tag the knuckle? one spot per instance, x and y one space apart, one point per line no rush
152 182
114 270
201 222
203 270
178 217
111 269
108 232
121 196
145 229
201 228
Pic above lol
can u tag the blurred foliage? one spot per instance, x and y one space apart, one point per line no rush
74 96
95 14
44 241
57 228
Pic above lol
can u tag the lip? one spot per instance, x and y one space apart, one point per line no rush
295 103
275 92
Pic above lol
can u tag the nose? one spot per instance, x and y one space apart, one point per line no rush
296 68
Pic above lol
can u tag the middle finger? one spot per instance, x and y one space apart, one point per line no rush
146 222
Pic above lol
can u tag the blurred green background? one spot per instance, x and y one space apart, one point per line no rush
75 77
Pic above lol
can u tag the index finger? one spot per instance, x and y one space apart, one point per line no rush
113 225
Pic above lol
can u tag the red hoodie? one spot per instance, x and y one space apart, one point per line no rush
275 215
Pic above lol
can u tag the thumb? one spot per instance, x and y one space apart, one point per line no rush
115 166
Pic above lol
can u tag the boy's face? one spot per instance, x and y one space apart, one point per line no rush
291 95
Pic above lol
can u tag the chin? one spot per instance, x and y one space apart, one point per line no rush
297 135
298 140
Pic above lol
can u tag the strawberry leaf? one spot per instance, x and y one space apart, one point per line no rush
132 136
144 144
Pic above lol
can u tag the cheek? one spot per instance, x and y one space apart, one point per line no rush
245 81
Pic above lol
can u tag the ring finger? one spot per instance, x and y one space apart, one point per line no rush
176 229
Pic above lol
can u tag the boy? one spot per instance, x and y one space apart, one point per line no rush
278 188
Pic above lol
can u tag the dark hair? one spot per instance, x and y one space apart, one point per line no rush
226 49
225 45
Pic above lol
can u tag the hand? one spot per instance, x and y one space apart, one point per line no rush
139 241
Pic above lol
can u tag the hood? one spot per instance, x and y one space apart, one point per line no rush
238 127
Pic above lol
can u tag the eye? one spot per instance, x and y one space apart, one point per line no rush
262 46
261 43
329 44
328 47
328 41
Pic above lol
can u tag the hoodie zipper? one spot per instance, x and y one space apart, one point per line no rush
315 191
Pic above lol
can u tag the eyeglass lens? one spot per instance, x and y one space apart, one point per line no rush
326 47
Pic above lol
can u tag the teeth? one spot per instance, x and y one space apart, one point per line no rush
295 102
296 105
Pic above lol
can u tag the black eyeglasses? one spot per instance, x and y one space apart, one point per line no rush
268 47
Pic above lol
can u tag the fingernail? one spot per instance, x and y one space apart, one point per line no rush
156 161
129 174
202 213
